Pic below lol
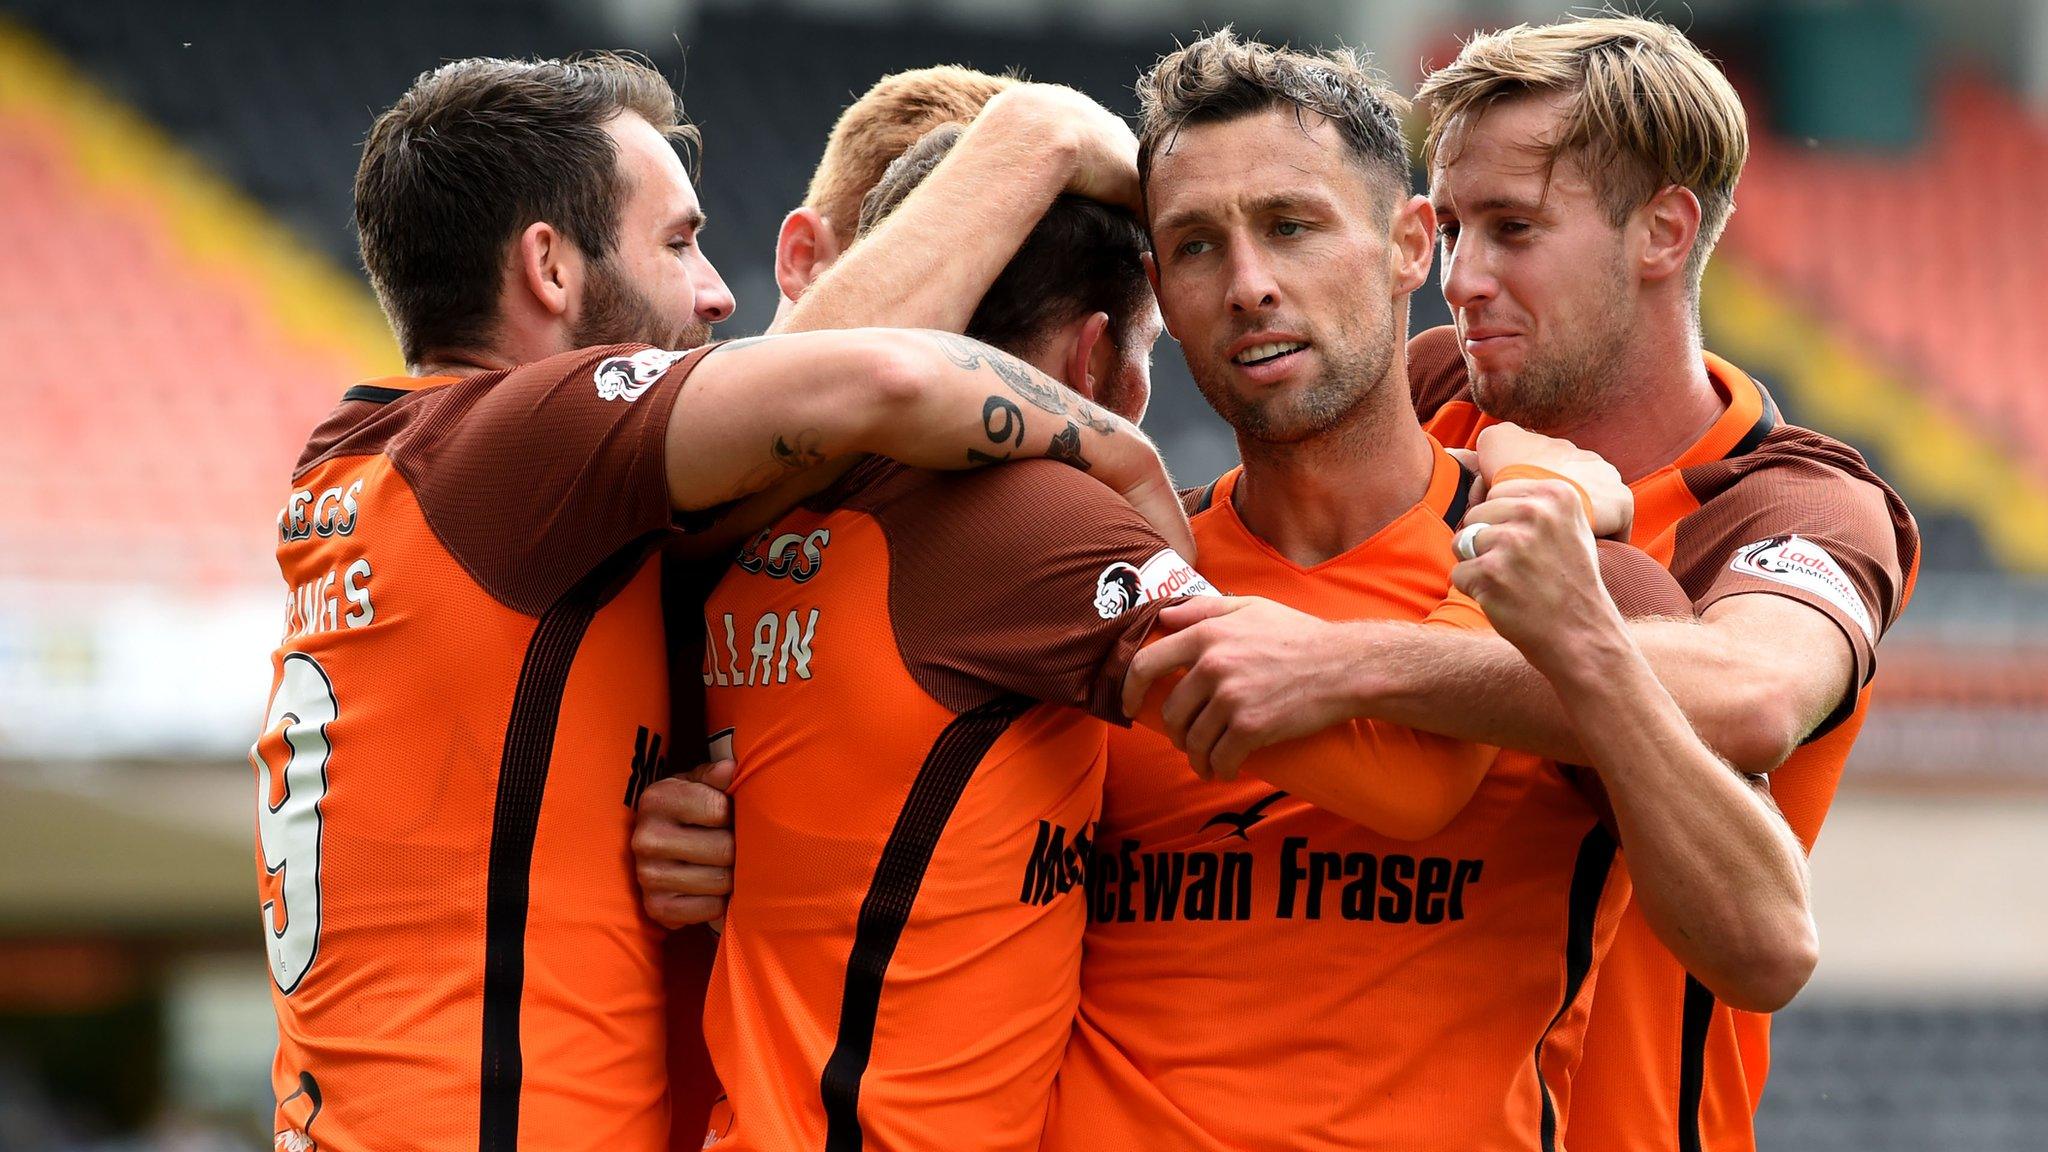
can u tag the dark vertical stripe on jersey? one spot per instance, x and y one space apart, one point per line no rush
1208 497
886 908
1462 497
515 820
1589 882
1692 1062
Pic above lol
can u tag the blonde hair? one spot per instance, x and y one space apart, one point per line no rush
882 124
1643 108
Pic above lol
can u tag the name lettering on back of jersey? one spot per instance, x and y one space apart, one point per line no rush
1122 587
777 646
629 377
796 555
331 513
1797 562
317 605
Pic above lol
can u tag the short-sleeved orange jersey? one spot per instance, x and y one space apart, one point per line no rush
1261 974
907 668
470 692
1755 505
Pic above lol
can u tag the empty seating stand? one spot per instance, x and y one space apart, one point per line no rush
1933 257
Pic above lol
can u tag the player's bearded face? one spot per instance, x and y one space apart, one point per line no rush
1535 271
1274 273
615 311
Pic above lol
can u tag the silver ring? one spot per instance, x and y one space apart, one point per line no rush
1465 545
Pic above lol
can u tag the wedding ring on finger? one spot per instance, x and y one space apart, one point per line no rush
1466 544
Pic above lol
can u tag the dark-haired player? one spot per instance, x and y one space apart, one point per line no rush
472 672
882 661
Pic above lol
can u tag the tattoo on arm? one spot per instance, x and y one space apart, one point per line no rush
786 454
1003 422
1066 448
799 454
1016 375
1095 418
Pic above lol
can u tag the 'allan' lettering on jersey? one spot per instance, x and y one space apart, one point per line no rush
781 645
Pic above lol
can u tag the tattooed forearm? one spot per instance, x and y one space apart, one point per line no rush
800 453
786 454
1066 448
1003 423
1096 418
1016 375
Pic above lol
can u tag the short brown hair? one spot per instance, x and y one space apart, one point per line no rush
1642 109
474 153
1082 257
1220 77
882 124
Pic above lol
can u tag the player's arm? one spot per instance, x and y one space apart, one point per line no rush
1717 872
755 413
1754 675
1395 780
936 255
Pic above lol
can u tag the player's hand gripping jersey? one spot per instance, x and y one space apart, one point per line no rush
1264 974
1756 505
470 691
907 668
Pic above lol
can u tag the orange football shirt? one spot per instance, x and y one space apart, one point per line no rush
469 695
1755 505
1262 974
913 672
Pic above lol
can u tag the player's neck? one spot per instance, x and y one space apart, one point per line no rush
512 345
1315 500
1670 402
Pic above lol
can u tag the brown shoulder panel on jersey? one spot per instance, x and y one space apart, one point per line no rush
993 582
1195 501
1639 586
1436 371
532 478
366 420
1798 482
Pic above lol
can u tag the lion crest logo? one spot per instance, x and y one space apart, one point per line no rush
628 377
1118 590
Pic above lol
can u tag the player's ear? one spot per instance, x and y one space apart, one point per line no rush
1091 356
1671 225
1413 236
804 248
549 266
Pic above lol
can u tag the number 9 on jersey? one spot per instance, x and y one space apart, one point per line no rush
291 777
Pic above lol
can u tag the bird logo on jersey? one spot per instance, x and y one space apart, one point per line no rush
1240 823
628 377
1117 591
